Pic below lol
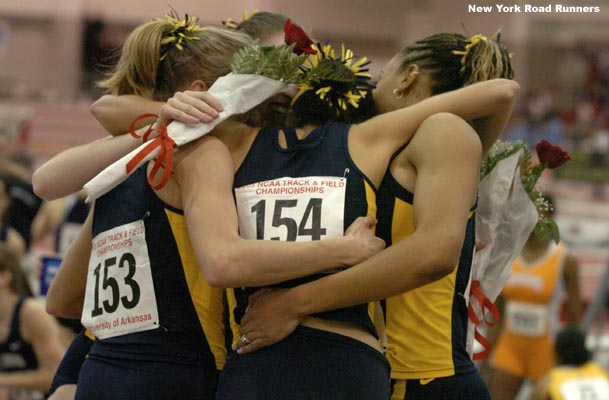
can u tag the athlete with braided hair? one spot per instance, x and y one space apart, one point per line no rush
426 327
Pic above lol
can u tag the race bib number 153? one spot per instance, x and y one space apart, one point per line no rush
120 297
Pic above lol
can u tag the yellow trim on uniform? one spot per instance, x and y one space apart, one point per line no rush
206 299
371 212
399 390
419 323
232 305
371 200
89 334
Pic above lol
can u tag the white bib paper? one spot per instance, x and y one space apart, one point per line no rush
292 209
527 319
120 297
585 389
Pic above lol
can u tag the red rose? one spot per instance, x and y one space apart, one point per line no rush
295 34
551 155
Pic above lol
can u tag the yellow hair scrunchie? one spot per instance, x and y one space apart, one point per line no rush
473 41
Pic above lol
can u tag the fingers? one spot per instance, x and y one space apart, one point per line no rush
256 295
191 107
250 342
366 222
210 100
248 348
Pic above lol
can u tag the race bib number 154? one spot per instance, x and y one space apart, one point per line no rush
292 209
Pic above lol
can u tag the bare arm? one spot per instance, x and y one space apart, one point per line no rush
42 331
489 103
67 290
115 113
447 160
67 172
205 177
571 278
15 242
47 218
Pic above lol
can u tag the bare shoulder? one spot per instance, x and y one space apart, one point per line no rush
33 308
235 135
191 152
446 132
34 319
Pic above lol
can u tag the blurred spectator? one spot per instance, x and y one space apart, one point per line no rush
539 104
9 235
577 376
16 165
598 145
30 349
598 149
551 128
543 276
24 203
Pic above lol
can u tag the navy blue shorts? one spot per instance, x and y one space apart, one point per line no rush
69 368
104 379
308 364
458 387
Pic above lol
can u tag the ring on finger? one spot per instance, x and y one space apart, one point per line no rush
244 339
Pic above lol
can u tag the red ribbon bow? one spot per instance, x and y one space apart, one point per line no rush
485 304
165 157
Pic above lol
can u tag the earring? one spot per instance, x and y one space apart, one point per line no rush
397 94
414 73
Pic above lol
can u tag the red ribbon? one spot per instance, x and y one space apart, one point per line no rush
165 157
485 304
485 343
148 131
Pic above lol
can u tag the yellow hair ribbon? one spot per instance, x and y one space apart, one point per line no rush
182 31
247 16
474 40
232 24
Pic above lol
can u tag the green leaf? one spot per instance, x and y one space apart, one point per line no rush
542 231
275 62
554 230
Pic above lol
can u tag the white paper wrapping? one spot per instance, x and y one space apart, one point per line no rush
505 218
237 93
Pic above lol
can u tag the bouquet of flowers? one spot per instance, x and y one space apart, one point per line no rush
549 157
510 207
258 72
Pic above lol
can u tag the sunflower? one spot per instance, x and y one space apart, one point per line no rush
182 31
340 82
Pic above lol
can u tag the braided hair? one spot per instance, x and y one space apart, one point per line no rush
454 61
